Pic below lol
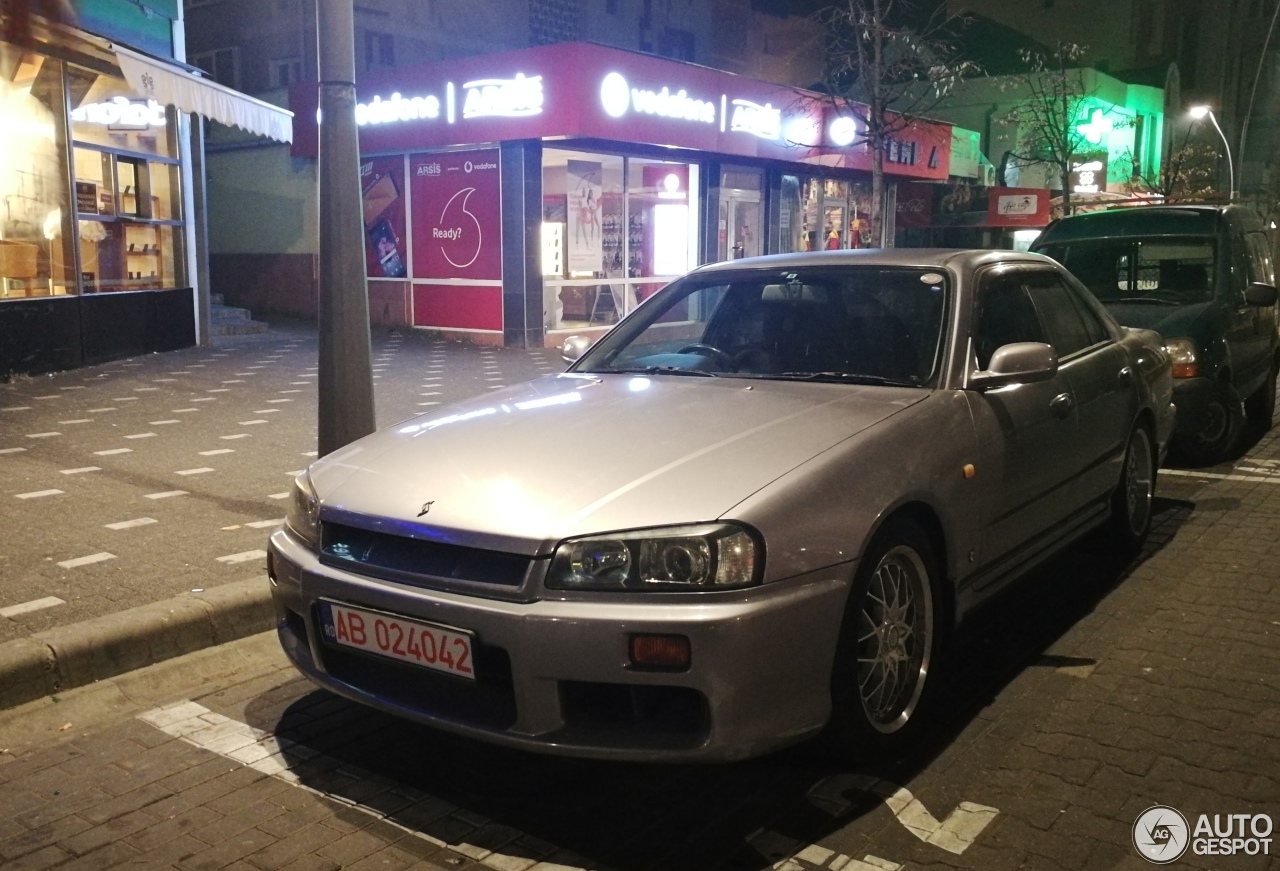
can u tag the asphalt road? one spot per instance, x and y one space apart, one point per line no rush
1086 695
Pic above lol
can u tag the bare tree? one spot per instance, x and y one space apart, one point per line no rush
1188 174
901 72
16 17
1047 117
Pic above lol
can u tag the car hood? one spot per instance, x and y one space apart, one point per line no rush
1168 321
522 468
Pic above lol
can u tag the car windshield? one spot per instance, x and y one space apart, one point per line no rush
854 324
1155 271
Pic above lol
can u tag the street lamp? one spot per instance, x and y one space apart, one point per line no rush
1198 112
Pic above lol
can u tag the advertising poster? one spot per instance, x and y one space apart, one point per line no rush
586 242
1017 207
457 222
382 185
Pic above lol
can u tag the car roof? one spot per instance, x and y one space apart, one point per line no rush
960 259
1148 221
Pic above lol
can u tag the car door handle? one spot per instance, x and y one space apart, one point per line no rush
1061 405
1126 376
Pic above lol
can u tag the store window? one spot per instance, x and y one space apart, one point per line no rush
126 187
740 227
630 221
819 214
35 205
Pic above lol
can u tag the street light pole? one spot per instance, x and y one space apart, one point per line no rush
1199 112
346 377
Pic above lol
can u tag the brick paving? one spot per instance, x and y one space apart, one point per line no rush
1074 702
135 481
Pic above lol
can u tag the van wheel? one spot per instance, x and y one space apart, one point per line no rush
888 646
1261 406
1224 419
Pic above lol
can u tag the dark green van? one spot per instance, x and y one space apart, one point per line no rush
1201 276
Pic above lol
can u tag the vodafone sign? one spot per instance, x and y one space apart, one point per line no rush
578 90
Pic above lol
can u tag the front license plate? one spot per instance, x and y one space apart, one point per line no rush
425 644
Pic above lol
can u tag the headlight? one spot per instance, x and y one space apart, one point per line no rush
1182 353
303 517
709 556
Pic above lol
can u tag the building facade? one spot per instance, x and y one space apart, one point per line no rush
98 251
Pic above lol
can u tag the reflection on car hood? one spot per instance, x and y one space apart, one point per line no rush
1168 321
521 468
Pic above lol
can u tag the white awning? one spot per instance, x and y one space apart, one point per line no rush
173 86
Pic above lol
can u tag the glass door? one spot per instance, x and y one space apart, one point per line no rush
740 214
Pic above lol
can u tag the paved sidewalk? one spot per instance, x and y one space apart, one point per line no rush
125 485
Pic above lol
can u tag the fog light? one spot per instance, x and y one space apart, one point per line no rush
668 652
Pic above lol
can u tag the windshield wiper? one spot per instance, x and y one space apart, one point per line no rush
849 378
656 370
1152 300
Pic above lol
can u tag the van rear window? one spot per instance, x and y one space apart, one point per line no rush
1160 271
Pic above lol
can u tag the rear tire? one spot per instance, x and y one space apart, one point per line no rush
1261 406
1131 503
888 646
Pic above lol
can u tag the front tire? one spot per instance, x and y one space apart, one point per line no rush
888 645
1218 438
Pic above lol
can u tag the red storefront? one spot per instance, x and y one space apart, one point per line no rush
518 197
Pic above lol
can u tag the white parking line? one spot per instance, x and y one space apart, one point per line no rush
144 389
42 435
239 435
1187 473
86 560
33 605
273 401
11 450
16 408
161 422
141 435
38 494
80 470
250 422
113 451
218 390
233 558
130 524
78 420
124 399
217 452
274 756
267 411
103 410
165 494
278 496
199 471
264 524
206 398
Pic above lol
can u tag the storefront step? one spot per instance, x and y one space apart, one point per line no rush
231 321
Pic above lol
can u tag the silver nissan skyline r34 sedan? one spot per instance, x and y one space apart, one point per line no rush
751 512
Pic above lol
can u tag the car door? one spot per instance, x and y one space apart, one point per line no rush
1102 384
1249 341
1026 430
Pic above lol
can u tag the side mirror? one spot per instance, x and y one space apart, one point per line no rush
1018 363
1260 295
573 348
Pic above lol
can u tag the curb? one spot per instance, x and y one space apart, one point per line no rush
104 647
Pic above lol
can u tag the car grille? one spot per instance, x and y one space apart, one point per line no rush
416 561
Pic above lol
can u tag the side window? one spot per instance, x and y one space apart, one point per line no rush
1261 268
1005 316
1061 314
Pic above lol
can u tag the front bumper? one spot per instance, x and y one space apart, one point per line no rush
553 674
1191 396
